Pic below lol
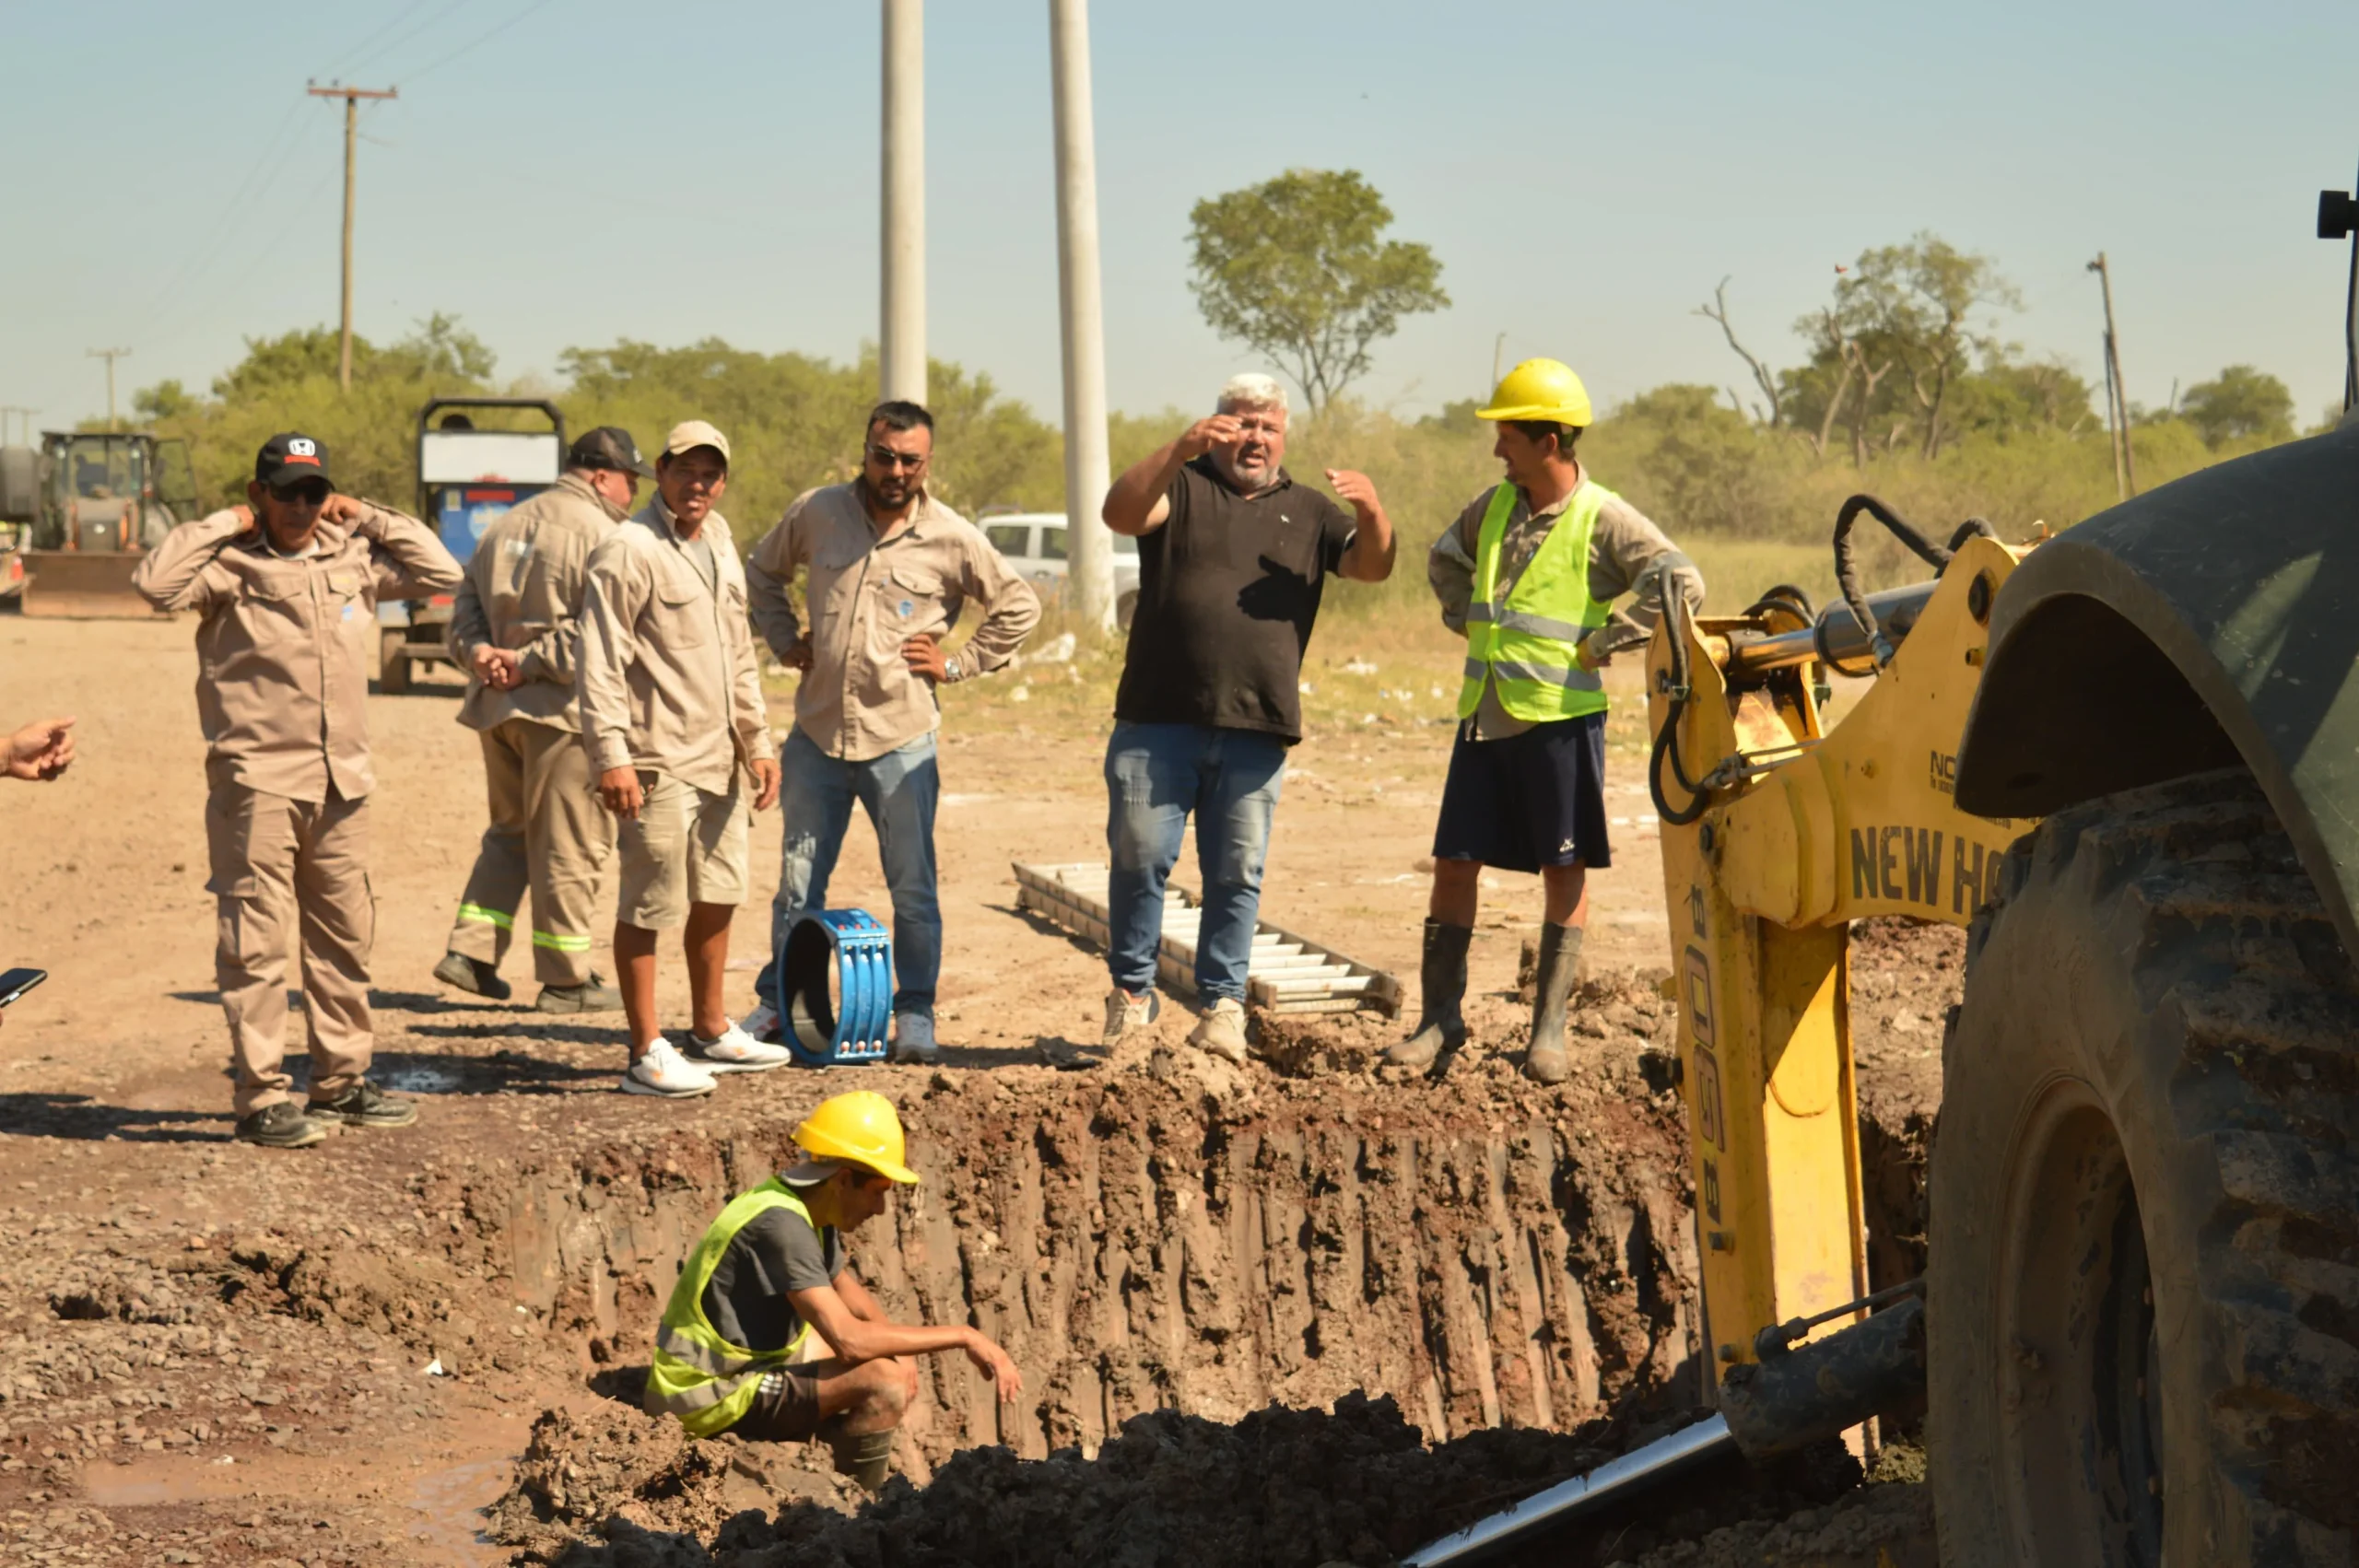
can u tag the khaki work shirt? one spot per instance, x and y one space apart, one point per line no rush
523 590
669 681
284 647
868 595
1628 554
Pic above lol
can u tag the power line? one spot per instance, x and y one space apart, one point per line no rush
335 73
382 50
484 39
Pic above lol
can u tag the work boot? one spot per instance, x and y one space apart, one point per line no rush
1440 1024
472 975
1560 954
1221 1030
592 995
865 1456
365 1105
281 1126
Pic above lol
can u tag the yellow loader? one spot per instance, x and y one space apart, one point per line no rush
2127 760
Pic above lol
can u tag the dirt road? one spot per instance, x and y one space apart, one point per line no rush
214 1353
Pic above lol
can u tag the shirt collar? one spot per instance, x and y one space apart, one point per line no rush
920 515
1284 481
1565 501
666 525
582 487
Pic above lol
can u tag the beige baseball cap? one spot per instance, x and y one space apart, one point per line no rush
693 433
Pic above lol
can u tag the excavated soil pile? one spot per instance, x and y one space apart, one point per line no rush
1907 978
1281 1487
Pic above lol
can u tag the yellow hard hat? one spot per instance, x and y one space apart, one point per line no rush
861 1127
1540 389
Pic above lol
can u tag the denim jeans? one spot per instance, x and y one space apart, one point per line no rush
899 791
1155 774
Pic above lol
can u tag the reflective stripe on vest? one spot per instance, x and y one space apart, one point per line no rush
695 1374
1527 648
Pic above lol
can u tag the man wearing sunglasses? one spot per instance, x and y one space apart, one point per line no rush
672 719
286 589
891 569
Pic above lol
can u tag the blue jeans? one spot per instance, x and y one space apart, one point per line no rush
899 792
1155 774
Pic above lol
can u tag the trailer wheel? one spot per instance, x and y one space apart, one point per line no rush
2144 1294
392 662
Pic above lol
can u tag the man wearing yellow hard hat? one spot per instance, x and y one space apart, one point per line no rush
1526 575
730 1353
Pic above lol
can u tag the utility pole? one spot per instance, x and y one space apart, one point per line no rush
2125 463
109 356
352 97
1089 547
1498 347
902 335
24 416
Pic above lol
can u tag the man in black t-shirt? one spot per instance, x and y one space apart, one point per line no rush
1233 558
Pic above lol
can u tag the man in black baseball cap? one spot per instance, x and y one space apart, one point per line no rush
288 461
515 626
608 448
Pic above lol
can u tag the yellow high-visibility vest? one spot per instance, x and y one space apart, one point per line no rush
697 1374
1527 647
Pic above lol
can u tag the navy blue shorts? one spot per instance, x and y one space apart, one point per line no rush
1529 801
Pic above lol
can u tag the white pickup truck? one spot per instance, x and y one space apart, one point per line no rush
1034 544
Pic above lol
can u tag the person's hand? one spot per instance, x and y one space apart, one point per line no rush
620 792
246 516
1356 491
799 656
38 752
993 1363
1586 655
924 655
766 782
1218 430
496 667
341 508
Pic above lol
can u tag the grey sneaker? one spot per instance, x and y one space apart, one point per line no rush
281 1126
1127 1014
913 1039
1221 1030
365 1105
472 975
592 995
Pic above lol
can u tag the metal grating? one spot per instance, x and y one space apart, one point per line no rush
1286 974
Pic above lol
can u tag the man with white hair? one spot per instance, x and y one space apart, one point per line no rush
1233 558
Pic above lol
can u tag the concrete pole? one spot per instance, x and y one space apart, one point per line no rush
1089 547
901 332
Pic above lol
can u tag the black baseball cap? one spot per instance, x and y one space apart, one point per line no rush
608 446
287 459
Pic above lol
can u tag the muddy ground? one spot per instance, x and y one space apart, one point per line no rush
212 1353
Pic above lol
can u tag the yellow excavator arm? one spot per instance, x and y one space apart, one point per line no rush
1779 830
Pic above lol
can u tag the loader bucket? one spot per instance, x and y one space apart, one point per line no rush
85 585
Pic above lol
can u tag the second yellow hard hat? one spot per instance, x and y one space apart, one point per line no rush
861 1127
1540 389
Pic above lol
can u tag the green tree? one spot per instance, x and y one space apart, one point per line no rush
2240 402
1298 268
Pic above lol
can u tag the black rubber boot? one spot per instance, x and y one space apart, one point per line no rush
1440 1022
867 1457
472 975
1560 956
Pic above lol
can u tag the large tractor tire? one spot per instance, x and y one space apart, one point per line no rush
2144 1295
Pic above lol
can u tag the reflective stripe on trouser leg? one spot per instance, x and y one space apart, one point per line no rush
568 837
495 888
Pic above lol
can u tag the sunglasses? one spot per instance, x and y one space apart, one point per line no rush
889 458
309 492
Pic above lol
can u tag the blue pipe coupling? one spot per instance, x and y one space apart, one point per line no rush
851 947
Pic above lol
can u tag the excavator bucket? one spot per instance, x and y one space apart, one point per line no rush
82 585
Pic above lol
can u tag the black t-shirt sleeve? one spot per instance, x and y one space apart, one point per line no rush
777 1252
1337 529
799 1260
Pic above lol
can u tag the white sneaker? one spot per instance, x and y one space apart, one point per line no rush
762 1023
735 1051
666 1075
1127 1014
1221 1030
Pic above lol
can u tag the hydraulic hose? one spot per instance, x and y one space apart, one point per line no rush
1847 567
1679 628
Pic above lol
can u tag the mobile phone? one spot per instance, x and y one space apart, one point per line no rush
17 982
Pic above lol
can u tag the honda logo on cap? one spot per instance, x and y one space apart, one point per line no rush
303 446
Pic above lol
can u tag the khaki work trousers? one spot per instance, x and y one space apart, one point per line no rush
291 873
549 835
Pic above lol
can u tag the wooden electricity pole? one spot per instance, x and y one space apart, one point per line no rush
2125 464
109 356
352 97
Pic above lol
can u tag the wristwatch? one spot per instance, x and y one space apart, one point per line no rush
950 668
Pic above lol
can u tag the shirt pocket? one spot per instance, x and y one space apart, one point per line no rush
681 613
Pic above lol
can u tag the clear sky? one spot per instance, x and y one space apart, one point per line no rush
575 171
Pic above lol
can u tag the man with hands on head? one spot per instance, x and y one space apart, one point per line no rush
517 628
1233 561
286 589
674 722
890 570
